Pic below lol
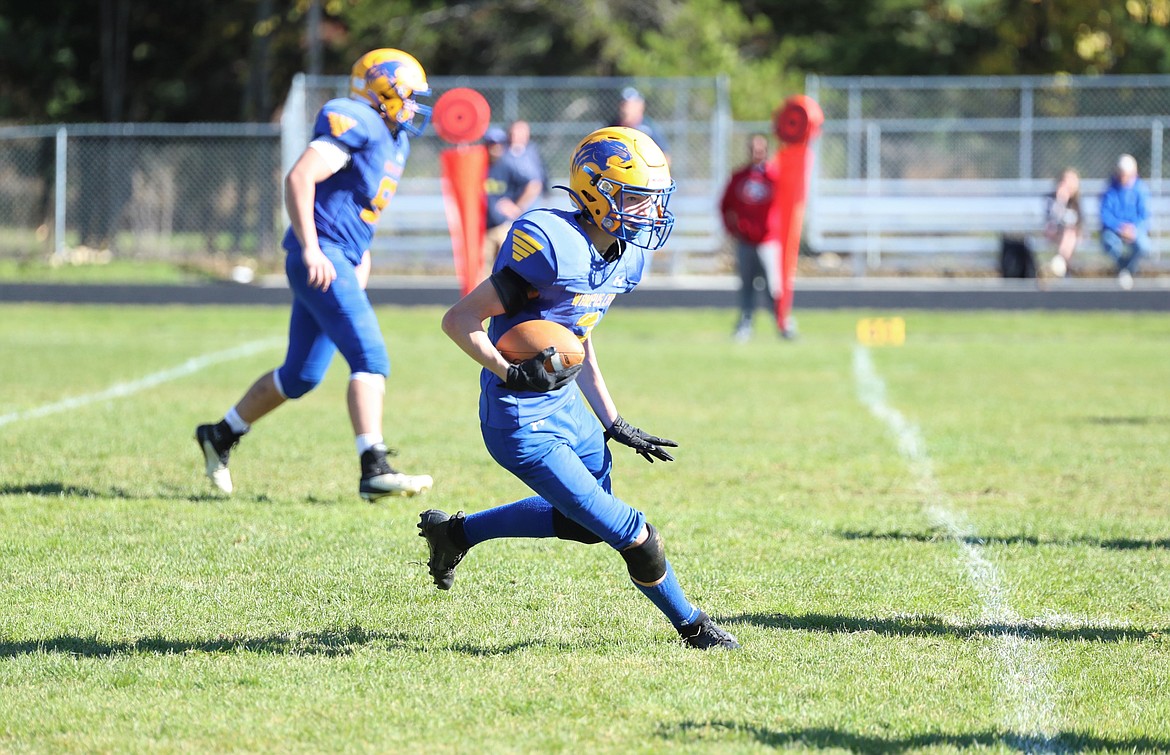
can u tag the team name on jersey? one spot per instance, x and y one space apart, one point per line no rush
593 300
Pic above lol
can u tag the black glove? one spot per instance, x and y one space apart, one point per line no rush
530 375
644 443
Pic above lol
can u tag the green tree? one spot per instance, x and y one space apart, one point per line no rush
190 60
115 60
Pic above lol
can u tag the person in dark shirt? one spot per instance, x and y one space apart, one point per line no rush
511 186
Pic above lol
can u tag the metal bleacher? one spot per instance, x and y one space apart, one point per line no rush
959 223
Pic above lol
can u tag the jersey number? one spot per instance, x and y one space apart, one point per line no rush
587 321
386 188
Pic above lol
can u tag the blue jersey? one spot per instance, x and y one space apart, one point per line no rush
574 287
349 202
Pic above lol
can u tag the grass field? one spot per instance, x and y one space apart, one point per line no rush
959 544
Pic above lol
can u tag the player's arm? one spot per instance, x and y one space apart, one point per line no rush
597 394
300 191
504 292
464 324
593 387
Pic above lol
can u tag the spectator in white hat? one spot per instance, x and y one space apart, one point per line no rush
1125 220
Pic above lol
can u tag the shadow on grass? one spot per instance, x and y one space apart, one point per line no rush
711 732
933 626
331 642
466 649
328 643
1136 420
61 490
1120 544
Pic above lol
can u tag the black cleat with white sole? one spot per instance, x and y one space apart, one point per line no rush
379 479
216 442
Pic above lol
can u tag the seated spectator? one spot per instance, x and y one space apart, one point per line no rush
510 187
1063 221
1125 220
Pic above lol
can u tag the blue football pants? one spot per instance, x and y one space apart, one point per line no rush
324 322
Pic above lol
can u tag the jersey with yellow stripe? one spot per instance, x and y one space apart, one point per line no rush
348 203
574 286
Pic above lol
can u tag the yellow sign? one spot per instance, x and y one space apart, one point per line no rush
881 331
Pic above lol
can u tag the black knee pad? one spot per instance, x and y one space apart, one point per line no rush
646 562
566 529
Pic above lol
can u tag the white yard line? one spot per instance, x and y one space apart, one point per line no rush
1026 679
121 390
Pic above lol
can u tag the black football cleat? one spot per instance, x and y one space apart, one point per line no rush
379 479
216 442
705 634
435 526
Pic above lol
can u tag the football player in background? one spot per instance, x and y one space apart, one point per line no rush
567 266
334 195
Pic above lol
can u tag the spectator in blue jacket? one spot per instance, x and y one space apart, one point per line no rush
1125 220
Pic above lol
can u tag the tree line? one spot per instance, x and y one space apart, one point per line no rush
191 60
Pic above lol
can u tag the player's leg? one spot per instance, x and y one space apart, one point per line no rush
450 537
308 356
567 463
653 575
345 315
649 569
597 510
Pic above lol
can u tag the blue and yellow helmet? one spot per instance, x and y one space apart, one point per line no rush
391 81
620 180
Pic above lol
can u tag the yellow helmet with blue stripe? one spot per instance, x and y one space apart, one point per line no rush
620 180
391 81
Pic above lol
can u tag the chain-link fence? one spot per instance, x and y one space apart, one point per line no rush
974 141
141 191
184 192
692 113
894 128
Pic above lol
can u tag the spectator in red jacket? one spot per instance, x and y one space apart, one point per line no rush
745 206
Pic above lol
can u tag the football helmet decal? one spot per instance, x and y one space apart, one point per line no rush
391 81
620 181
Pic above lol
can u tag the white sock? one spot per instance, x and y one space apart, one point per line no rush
238 425
366 441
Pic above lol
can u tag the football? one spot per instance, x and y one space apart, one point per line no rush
529 338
